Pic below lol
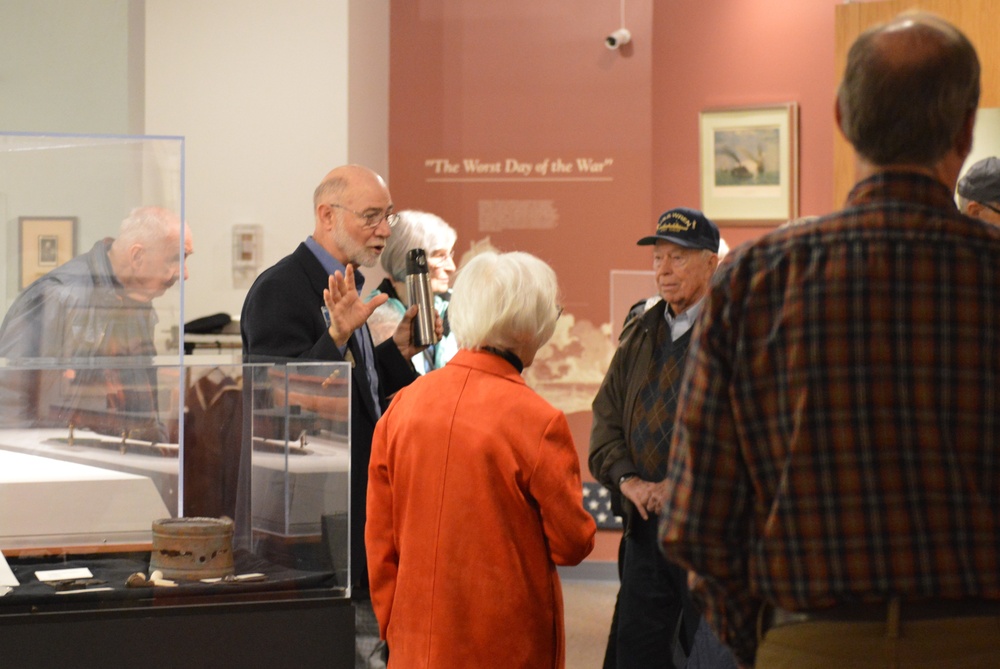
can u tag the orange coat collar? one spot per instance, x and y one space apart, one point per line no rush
486 362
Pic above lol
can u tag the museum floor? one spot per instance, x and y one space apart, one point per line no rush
589 604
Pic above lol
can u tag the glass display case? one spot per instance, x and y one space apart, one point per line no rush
60 195
143 491
265 445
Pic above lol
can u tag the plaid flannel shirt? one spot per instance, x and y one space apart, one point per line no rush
838 434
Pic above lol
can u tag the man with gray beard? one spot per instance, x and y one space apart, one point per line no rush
308 307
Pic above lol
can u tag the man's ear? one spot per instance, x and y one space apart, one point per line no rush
325 213
136 254
963 142
838 117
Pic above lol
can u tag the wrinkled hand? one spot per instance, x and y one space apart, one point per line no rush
403 336
661 491
347 310
641 494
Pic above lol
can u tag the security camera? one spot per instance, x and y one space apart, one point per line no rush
617 38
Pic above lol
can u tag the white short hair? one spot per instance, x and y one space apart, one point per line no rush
148 226
415 230
504 300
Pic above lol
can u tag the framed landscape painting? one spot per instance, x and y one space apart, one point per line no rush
749 163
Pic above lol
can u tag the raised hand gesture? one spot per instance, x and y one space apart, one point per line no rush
347 310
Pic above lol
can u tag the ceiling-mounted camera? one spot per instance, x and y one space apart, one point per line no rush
618 38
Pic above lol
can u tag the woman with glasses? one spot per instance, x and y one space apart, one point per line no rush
417 230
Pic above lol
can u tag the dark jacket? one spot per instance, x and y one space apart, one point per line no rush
282 320
614 405
79 313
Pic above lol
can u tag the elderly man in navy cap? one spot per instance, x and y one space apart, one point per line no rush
979 191
655 622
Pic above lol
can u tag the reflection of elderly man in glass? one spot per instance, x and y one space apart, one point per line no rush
474 492
96 305
417 230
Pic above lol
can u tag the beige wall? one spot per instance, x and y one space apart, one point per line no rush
260 92
267 95
66 66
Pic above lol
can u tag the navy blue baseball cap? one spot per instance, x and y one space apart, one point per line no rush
685 227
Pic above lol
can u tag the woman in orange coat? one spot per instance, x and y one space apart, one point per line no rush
474 491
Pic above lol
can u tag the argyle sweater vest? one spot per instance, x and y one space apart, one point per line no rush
656 405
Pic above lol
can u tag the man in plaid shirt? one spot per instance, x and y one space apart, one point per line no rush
834 475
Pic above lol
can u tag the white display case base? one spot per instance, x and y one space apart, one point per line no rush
51 502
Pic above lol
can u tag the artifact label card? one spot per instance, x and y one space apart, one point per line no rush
63 574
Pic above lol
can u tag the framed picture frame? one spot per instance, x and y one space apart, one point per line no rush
44 242
749 163
247 246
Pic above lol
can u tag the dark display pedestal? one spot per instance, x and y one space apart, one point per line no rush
299 633
291 618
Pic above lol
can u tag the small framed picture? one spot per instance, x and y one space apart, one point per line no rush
749 164
247 246
45 243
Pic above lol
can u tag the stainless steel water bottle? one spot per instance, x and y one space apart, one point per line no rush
418 289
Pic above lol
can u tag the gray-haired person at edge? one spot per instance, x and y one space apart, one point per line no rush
655 623
308 306
96 305
834 476
979 190
417 230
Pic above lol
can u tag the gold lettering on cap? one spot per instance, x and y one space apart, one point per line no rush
676 222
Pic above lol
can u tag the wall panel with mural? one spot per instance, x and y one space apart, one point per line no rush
516 123
521 128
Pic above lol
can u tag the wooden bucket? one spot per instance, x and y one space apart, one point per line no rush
190 549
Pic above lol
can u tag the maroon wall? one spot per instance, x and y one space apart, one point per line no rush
531 81
732 53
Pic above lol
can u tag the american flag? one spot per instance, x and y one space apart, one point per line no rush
597 502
